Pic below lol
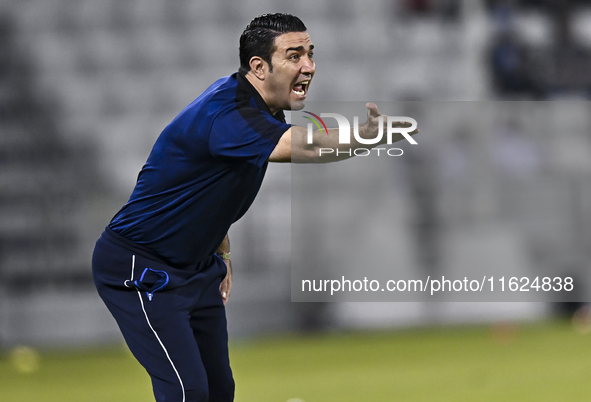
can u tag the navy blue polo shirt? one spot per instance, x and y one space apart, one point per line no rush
202 174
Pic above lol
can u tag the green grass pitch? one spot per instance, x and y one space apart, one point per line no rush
530 362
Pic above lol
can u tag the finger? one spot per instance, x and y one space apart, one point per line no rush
372 109
225 290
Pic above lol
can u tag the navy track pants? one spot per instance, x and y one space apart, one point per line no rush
173 320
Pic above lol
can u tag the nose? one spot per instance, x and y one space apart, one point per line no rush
308 66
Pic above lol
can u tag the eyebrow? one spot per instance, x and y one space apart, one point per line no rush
299 48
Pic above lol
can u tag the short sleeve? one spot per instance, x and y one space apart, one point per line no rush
245 134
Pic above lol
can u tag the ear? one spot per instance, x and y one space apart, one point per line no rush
258 67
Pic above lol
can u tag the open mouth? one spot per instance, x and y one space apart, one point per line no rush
301 88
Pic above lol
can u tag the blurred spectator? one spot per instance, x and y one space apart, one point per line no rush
533 69
509 67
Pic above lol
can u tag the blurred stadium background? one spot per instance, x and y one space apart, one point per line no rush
87 86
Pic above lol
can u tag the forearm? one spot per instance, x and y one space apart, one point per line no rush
300 146
224 252
224 248
342 143
324 148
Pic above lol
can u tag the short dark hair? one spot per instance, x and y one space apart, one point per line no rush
258 38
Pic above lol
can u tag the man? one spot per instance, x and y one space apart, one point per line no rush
162 266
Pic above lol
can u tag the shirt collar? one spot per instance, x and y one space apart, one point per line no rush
247 87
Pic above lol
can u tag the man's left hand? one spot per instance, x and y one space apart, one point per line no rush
226 285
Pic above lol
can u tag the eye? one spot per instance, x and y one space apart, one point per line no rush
311 55
294 56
